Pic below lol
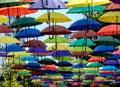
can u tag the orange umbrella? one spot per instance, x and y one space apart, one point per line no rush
97 59
16 11
113 7
49 67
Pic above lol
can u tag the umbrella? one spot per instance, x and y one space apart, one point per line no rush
79 66
18 67
112 29
29 58
16 11
82 42
109 67
55 30
56 39
34 43
113 7
3 19
60 53
94 64
13 48
79 61
59 47
5 29
32 65
78 54
63 64
55 17
112 62
85 9
27 33
63 58
47 61
83 34
107 40
49 67
97 59
115 1
8 40
52 4
110 17
85 24
24 22
76 3
36 50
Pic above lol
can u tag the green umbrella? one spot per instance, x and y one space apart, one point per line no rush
47 61
76 61
81 49
65 69
24 22
82 42
94 64
92 73
56 39
107 40
86 9
64 58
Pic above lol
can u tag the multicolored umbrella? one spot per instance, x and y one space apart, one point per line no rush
5 29
3 19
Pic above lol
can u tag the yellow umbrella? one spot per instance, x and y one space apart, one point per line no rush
110 17
55 17
92 69
77 3
59 47
8 40
3 19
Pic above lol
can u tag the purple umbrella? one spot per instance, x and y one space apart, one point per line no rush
61 53
37 50
112 62
34 77
116 1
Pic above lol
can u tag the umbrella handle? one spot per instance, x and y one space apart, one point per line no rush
55 47
51 37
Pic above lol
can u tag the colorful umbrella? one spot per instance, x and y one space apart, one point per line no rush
49 67
18 67
34 43
78 54
76 3
110 17
112 62
16 11
85 24
94 64
97 59
115 1
107 40
78 61
64 58
8 40
3 19
29 58
5 29
32 65
36 50
109 30
55 17
113 7
28 33
83 34
109 67
55 30
63 64
86 9
24 22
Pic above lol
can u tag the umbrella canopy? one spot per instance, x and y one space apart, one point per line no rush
55 17
94 64
108 67
83 34
79 61
16 11
109 30
49 67
82 42
3 19
47 61
79 66
113 7
60 53
63 64
5 29
8 40
85 9
24 22
110 17
32 65
115 1
112 62
36 50
55 30
18 67
97 59
63 58
85 24
107 40
28 33
59 47
34 43
56 39
13 48
50 4
29 58
76 3
78 54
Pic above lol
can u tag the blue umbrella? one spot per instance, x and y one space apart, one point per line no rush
13 48
114 56
32 65
79 66
64 63
28 33
29 58
85 24
104 48
36 50
61 53
50 71
109 67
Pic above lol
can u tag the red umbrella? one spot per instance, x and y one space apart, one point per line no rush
5 29
49 67
113 7
34 43
16 11
94 85
109 30
18 67
97 59
83 34
42 54
55 30
78 54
